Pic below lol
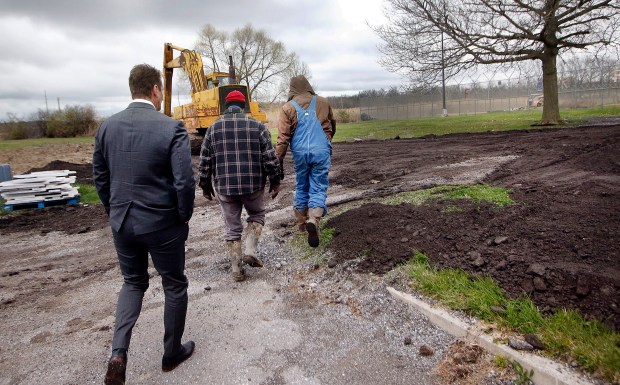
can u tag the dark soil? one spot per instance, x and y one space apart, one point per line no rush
68 218
83 172
560 241
195 144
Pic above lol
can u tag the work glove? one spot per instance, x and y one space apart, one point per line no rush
274 187
207 189
281 168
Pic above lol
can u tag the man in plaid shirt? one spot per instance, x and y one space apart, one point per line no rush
236 159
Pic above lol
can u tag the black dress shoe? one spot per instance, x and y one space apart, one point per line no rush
116 371
169 363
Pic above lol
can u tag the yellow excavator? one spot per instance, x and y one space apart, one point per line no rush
208 91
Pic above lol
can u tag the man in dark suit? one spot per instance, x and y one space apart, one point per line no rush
143 175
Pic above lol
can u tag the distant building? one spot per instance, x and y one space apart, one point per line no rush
615 75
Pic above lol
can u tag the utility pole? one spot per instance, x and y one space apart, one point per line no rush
47 110
444 111
58 98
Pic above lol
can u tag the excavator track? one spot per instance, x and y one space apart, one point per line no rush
195 142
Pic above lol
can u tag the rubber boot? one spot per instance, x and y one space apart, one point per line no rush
234 253
250 253
301 217
312 225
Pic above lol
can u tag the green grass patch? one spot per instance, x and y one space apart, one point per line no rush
455 288
501 362
494 121
418 127
497 196
578 115
300 244
299 241
524 375
40 142
3 212
588 342
452 209
88 194
566 333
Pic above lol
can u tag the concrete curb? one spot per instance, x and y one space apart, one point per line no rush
546 372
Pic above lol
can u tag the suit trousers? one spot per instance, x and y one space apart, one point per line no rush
231 211
167 249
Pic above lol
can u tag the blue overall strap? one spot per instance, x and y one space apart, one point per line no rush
308 133
312 106
300 111
297 108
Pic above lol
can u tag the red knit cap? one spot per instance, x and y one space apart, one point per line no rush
235 96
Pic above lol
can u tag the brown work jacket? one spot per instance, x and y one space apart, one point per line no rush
301 92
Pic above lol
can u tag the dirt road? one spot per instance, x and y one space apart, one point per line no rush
298 321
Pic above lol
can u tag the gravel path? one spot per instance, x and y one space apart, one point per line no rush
291 322
295 321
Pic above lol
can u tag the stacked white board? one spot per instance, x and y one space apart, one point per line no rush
41 186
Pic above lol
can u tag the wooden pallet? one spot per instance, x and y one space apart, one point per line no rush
42 205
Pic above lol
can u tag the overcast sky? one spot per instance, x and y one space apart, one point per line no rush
81 51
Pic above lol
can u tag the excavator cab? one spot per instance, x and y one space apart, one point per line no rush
221 79
208 91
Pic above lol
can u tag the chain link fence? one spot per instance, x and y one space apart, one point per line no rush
579 88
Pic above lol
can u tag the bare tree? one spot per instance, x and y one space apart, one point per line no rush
586 70
298 68
211 44
261 62
494 32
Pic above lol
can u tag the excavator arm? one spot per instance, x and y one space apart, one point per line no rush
191 62
208 91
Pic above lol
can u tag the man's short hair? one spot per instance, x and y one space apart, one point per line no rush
142 78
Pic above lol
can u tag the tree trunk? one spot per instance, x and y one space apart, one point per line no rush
551 105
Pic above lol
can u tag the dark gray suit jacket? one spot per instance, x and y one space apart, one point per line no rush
142 169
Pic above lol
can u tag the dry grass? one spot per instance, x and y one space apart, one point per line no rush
466 364
347 115
273 112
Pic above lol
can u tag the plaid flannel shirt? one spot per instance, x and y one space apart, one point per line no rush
237 155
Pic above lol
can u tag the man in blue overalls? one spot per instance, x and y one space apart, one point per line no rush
307 124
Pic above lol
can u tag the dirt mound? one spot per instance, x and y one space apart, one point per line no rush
83 172
70 219
560 257
560 242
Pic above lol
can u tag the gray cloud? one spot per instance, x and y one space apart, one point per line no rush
82 51
120 15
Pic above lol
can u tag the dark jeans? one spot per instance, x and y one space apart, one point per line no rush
167 249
